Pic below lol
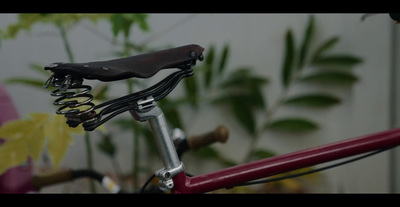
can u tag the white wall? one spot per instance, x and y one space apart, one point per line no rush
256 40
395 121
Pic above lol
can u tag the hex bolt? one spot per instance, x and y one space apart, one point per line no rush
167 175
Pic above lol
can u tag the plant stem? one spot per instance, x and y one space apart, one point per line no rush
135 153
89 160
135 169
118 172
269 115
67 46
68 50
135 164
135 133
126 45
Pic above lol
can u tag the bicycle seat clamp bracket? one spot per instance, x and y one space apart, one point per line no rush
147 110
166 176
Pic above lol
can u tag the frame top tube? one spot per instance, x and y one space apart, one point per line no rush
239 174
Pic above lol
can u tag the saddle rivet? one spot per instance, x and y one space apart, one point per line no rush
193 54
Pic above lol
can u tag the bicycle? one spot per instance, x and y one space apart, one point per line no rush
142 106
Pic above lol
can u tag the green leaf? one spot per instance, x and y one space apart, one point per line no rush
39 68
244 116
242 109
251 100
117 23
100 92
224 58
308 34
338 60
293 125
124 123
287 68
313 100
150 141
212 154
242 78
191 90
207 152
262 154
222 100
123 22
331 77
171 113
325 47
256 98
141 20
107 146
26 81
208 66
27 20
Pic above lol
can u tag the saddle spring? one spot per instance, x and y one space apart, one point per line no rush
71 91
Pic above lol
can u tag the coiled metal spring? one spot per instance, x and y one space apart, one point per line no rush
70 92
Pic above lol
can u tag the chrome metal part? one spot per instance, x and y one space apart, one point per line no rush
178 136
164 142
166 176
146 104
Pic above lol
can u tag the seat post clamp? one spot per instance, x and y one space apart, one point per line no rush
145 105
166 175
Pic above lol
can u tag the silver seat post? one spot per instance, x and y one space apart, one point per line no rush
148 111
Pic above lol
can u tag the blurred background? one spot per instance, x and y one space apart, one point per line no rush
357 94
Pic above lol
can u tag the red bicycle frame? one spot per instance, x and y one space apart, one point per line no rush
279 164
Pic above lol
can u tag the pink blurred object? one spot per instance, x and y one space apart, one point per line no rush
17 179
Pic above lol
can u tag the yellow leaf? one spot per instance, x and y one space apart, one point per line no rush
24 138
13 129
17 128
58 148
58 134
27 137
39 118
101 128
313 177
292 185
35 142
34 134
12 153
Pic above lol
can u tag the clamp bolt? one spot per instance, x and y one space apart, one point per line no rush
167 175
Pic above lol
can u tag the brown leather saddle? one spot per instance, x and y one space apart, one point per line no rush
139 66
